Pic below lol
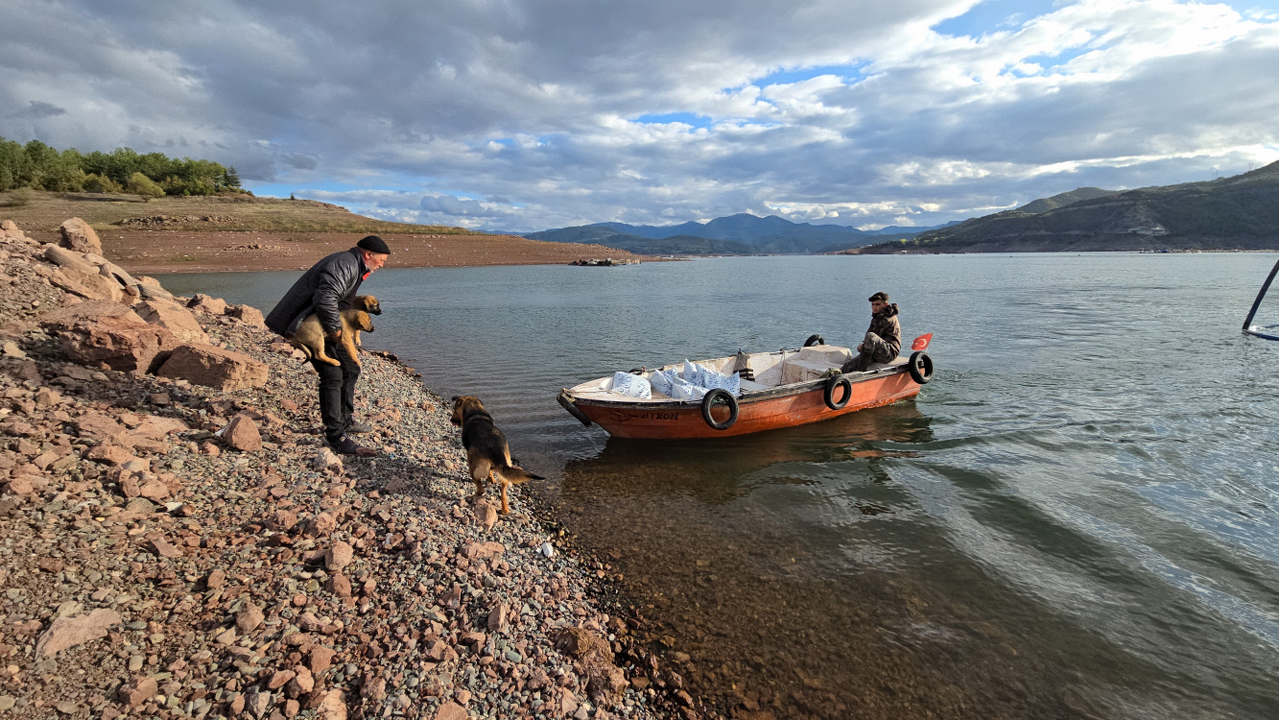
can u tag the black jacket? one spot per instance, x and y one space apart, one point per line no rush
321 290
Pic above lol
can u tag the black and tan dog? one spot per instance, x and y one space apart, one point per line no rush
309 337
486 449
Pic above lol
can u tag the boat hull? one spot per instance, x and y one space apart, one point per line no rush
787 406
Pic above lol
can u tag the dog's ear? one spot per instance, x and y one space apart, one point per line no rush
453 399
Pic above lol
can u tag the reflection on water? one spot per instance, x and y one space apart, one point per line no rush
1076 518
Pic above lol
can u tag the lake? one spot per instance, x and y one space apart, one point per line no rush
1076 518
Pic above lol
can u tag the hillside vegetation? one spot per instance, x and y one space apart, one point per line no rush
1234 213
37 166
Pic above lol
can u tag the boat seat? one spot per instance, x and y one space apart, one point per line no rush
876 367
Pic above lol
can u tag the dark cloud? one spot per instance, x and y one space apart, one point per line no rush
533 107
37 110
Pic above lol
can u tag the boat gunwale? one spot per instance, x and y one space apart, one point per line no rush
744 398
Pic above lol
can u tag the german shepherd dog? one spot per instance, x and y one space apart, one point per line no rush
309 337
486 449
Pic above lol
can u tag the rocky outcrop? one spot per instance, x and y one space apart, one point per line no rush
173 317
78 236
103 332
214 367
85 279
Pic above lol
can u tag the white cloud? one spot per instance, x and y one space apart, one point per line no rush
537 108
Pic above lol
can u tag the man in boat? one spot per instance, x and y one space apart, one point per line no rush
323 290
884 338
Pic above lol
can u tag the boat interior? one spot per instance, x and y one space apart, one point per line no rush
770 370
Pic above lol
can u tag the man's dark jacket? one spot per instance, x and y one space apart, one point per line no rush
886 325
321 291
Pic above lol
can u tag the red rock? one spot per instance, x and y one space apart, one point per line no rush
210 449
279 679
485 515
208 304
109 454
451 711
102 427
242 434
65 632
282 521
164 549
373 688
333 707
247 314
137 691
174 318
320 659
154 490
237 704
155 426
302 683
339 585
291 708
435 650
216 579
79 236
497 618
248 619
51 565
338 556
322 525
117 342
214 367
484 550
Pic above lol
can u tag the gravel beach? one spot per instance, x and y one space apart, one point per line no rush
174 550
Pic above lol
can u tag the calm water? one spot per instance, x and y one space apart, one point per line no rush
1076 518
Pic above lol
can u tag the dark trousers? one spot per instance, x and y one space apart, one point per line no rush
337 390
874 350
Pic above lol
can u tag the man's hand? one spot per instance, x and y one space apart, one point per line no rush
334 335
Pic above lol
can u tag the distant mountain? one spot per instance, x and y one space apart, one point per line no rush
741 234
1043 205
1234 213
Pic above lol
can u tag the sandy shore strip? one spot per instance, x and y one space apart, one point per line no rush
174 550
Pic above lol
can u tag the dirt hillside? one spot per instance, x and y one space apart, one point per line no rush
244 233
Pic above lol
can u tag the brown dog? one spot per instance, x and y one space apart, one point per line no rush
309 337
486 449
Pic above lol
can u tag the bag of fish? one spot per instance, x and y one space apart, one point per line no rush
629 385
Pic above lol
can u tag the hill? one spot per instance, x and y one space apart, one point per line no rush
221 233
740 234
1043 205
1234 213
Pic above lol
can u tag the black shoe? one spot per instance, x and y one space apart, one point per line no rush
357 428
347 446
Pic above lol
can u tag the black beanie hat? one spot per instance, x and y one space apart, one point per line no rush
375 244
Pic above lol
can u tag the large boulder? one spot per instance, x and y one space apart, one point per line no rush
86 278
208 304
119 342
247 314
64 317
77 235
9 230
214 367
173 317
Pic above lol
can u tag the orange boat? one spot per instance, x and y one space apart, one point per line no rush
785 388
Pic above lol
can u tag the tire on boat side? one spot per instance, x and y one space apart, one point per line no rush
833 382
709 399
921 367
814 339
568 404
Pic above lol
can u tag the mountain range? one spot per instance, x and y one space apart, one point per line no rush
741 234
1232 213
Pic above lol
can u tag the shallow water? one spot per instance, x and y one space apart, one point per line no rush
1076 518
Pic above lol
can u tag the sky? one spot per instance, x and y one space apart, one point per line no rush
507 115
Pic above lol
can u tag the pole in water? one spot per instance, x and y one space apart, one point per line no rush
1257 303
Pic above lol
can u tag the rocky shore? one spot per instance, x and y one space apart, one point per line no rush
176 543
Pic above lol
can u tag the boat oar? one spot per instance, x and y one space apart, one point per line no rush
1247 323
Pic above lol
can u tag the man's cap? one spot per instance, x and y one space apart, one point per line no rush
374 244
879 296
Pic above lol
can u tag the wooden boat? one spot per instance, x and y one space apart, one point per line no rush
787 389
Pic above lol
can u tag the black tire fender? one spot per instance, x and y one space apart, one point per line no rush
833 382
709 400
921 367
814 339
567 403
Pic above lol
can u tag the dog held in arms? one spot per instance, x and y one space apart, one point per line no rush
486 450
309 337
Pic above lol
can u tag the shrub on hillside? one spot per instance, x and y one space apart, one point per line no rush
144 187
99 184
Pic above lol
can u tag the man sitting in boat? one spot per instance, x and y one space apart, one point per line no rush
884 338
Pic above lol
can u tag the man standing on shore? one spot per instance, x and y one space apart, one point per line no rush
884 338
323 290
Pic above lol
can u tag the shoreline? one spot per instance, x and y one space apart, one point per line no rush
199 580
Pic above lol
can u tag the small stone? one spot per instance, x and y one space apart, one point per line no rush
279 679
216 580
249 618
7 702
339 556
333 706
226 637
321 658
166 550
339 585
242 434
65 632
256 703
13 351
497 618
282 521
137 691
322 525
451 711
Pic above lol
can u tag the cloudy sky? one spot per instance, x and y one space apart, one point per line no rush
527 115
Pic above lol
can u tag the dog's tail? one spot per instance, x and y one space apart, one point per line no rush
305 351
515 475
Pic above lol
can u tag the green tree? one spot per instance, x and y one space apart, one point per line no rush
144 187
95 183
